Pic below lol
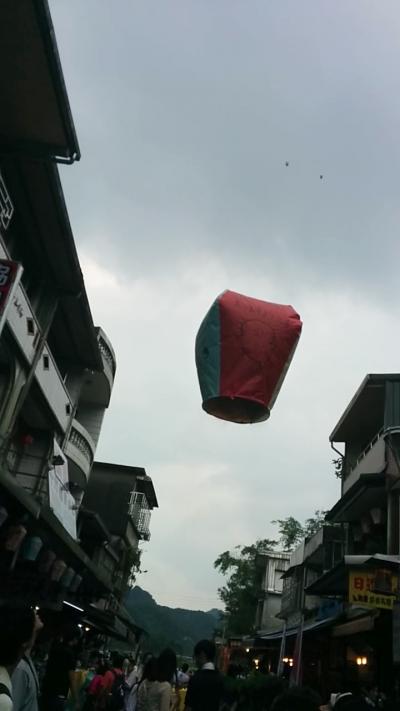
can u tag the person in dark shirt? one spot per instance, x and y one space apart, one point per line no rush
59 678
205 689
297 700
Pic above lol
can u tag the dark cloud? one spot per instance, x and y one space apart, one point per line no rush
186 113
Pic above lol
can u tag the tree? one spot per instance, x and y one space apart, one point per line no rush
291 531
313 524
241 592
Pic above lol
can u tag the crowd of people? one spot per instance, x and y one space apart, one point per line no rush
155 683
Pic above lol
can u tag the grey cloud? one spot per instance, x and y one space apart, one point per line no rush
186 112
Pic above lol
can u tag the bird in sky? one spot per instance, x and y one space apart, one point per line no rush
287 164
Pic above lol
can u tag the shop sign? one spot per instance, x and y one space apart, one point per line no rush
376 589
10 274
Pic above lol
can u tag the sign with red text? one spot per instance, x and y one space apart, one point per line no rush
373 588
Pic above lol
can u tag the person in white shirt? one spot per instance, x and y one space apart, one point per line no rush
17 625
183 676
25 681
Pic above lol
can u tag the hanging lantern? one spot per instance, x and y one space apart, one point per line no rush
14 537
67 578
58 570
46 560
31 548
75 583
243 350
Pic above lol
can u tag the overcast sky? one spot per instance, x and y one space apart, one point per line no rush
186 111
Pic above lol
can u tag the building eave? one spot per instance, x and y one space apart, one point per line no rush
36 116
362 407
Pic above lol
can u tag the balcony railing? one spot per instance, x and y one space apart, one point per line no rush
140 514
80 449
27 333
107 353
371 460
53 389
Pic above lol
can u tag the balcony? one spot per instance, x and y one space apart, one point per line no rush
108 356
140 514
21 319
372 460
27 334
80 451
98 385
52 386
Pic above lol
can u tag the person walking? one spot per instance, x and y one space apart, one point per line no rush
155 691
131 688
59 678
17 625
25 681
206 687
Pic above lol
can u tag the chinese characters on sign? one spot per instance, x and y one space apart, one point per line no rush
10 274
6 206
366 589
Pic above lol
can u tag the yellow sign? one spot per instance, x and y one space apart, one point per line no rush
375 588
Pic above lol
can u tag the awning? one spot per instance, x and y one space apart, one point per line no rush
308 627
362 496
360 624
365 410
335 581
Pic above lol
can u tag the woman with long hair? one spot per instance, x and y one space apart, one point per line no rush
155 690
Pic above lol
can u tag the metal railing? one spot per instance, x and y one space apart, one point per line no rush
107 354
138 510
79 441
367 449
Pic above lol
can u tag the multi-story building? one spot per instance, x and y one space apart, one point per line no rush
272 566
341 587
133 497
57 368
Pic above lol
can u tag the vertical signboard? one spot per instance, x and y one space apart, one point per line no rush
396 632
10 274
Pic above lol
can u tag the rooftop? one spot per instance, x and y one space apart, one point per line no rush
365 412
42 127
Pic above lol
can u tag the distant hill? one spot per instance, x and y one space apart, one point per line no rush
167 626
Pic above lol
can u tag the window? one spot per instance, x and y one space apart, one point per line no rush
46 361
30 325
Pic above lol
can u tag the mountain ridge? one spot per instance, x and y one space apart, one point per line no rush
175 627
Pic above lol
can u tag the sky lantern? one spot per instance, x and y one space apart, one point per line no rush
243 350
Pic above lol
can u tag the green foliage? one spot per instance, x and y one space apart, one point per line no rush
241 591
292 532
313 524
338 466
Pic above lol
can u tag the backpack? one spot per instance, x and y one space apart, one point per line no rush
117 693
